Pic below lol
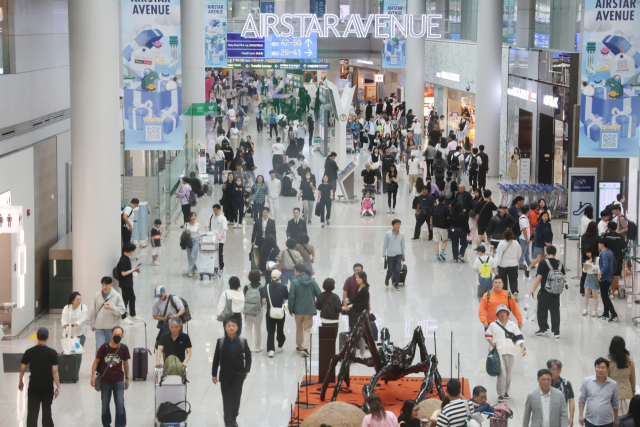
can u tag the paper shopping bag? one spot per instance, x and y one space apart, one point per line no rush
71 344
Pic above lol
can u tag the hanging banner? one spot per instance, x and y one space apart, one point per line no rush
393 48
610 99
215 37
317 7
153 91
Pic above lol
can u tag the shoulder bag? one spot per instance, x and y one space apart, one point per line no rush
227 313
274 312
99 377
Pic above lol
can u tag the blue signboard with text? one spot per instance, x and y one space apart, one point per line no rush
267 7
317 7
272 47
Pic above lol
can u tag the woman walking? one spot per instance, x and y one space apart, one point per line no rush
268 253
253 310
588 240
236 297
184 193
74 316
307 252
259 191
392 187
238 202
325 198
360 302
430 157
377 416
192 228
307 193
274 297
623 371
458 232
590 269
234 135
227 198
544 238
507 255
329 304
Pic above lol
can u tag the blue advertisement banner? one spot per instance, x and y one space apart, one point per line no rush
153 76
610 99
318 7
393 49
267 7
215 33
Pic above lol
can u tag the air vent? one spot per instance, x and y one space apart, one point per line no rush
30 126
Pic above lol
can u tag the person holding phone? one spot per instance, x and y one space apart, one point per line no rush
105 312
125 271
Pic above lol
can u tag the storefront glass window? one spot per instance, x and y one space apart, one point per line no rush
4 38
542 34
460 17
240 9
510 16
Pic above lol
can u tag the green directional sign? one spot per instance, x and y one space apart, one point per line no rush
204 109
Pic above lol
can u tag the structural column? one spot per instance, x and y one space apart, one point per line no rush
358 7
95 142
414 82
489 80
193 88
333 7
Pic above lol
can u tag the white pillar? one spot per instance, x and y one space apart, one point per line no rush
333 7
279 7
359 7
414 86
192 46
333 73
95 142
489 80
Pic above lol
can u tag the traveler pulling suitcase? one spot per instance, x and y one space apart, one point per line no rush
141 360
403 275
68 368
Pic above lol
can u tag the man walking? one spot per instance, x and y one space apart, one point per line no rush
550 277
273 198
43 366
262 228
455 164
474 164
127 215
559 383
331 170
233 357
440 226
393 252
105 312
545 406
125 271
600 393
483 169
387 161
605 276
498 224
370 128
423 204
302 305
524 239
296 226
218 223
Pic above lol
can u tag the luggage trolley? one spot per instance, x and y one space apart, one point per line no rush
173 391
208 259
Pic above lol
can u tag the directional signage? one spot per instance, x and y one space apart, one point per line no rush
277 66
306 67
272 47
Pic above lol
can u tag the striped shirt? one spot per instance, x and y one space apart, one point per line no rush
455 414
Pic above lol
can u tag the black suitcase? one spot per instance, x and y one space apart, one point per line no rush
68 368
403 275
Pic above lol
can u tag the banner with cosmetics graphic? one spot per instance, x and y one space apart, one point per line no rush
393 49
215 33
610 99
153 75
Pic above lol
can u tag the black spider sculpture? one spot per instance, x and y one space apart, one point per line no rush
391 363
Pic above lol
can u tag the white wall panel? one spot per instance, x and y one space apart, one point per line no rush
33 17
60 17
61 49
63 156
33 52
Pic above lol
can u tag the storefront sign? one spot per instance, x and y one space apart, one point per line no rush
153 98
448 76
522 94
215 33
384 26
582 193
379 78
363 61
610 103
10 219
550 101
204 109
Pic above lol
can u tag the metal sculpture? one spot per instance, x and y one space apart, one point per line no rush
391 363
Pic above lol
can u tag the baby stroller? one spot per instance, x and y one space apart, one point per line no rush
372 192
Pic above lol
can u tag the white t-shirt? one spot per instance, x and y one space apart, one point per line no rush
128 210
194 229
477 264
217 224
414 167
602 227
508 253
524 223
237 301
497 335
232 114
277 148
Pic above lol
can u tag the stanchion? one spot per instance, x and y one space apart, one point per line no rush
307 381
304 405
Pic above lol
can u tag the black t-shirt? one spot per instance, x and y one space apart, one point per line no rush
283 169
484 216
426 203
325 192
125 265
565 387
543 270
41 359
307 191
177 347
331 169
369 176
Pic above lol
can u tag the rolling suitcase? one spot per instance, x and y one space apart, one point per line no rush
68 368
403 275
141 360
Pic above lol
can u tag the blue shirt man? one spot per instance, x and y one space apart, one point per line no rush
393 252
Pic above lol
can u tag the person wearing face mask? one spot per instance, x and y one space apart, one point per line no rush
112 363
307 193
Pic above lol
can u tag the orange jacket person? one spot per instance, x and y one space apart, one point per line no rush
488 305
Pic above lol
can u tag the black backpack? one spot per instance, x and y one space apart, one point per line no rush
438 168
454 164
439 216
473 164
632 230
426 204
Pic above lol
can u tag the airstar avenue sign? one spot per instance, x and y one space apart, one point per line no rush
384 25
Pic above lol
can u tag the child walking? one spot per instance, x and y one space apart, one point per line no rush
156 241
484 266
367 205
591 283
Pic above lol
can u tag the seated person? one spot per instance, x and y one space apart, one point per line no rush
368 176
175 343
480 402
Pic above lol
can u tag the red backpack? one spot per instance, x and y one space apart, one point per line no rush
501 413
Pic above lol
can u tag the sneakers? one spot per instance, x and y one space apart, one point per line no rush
415 240
438 258
526 272
190 274
506 396
393 211
585 311
594 313
304 352
386 282
322 223
442 256
541 333
328 223
271 353
279 350
397 288
126 322
257 350
556 336
500 399
603 316
388 210
137 319
515 295
298 349
461 258
155 263
614 320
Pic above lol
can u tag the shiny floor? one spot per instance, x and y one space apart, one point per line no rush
439 297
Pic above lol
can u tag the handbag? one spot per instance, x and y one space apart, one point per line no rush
254 257
274 312
493 365
71 344
172 413
98 385
227 313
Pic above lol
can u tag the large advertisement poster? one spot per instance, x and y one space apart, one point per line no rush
153 75
393 49
215 33
610 99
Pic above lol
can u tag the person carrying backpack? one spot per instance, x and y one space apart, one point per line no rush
423 204
253 309
439 168
450 187
440 223
455 164
551 279
484 265
474 165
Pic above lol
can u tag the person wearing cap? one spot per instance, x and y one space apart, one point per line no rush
274 295
43 366
507 337
164 308
495 297
498 225
105 312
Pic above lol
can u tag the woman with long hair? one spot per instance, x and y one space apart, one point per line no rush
227 198
307 252
377 416
233 134
360 302
588 240
392 187
268 252
544 238
409 414
458 232
74 320
307 193
586 219
259 191
591 283
542 207
439 169
325 198
623 371
506 259
192 228
632 418
513 166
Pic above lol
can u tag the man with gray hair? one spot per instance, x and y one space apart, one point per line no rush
175 343
545 406
368 176
555 366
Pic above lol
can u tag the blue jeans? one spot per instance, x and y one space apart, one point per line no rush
525 253
118 398
103 336
287 275
192 255
82 339
394 264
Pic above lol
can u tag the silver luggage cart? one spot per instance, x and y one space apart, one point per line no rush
172 390
208 259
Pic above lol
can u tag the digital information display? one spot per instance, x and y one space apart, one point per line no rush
607 192
346 170
272 47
